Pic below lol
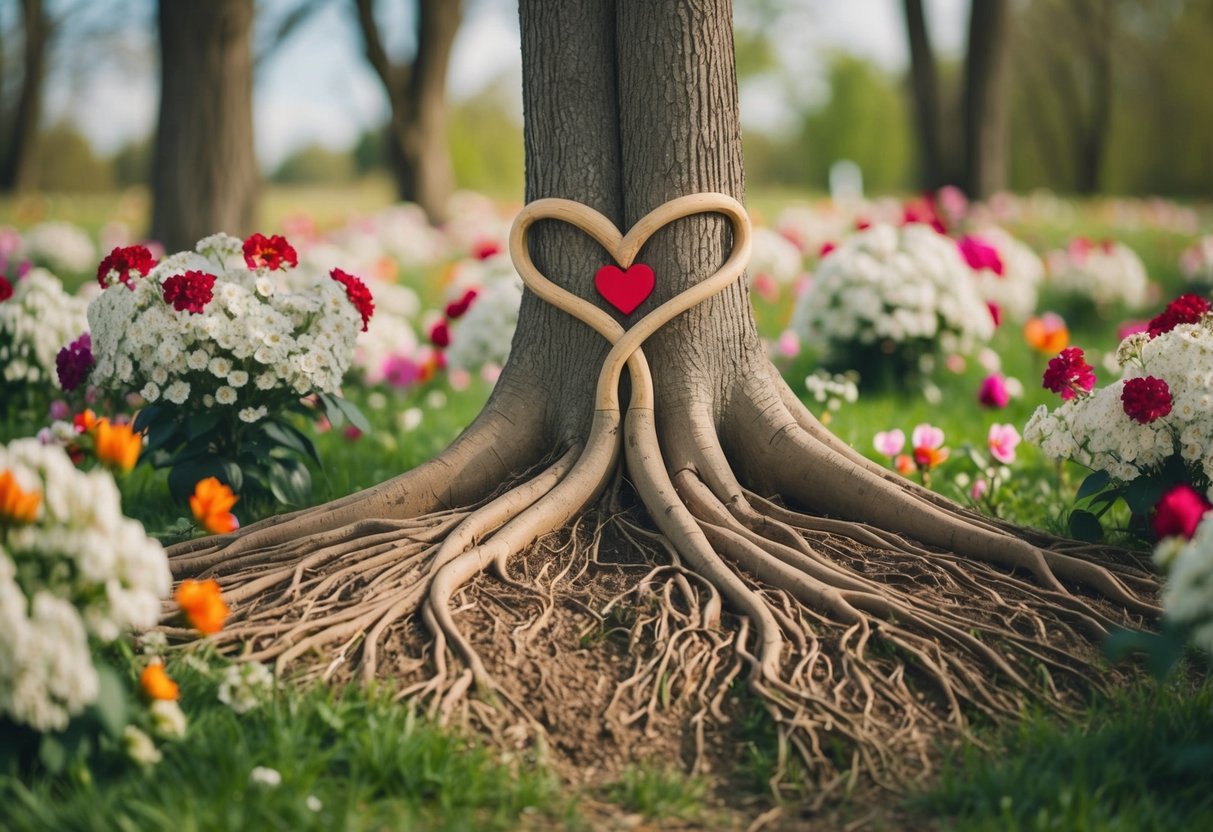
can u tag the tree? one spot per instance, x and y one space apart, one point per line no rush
18 143
982 167
867 613
416 92
204 172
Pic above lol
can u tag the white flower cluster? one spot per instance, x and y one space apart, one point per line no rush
1107 272
810 227
61 247
832 390
1187 595
776 257
893 285
1096 432
482 336
80 570
245 686
35 323
1015 290
259 341
1196 263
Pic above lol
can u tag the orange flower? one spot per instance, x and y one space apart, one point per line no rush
203 604
117 446
211 504
928 458
85 421
156 683
905 464
16 504
1047 334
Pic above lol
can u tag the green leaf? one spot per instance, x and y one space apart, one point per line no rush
183 476
111 705
290 481
202 422
1095 482
1085 526
52 754
289 436
160 433
336 407
149 415
1143 494
1162 650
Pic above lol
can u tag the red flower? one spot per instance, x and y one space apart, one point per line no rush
1146 399
358 294
119 264
1068 374
1179 512
457 309
995 312
6 289
189 292
440 335
1185 309
980 255
485 249
826 248
993 392
269 252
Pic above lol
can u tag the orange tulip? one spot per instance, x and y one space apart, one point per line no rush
1047 334
16 504
117 446
211 504
85 421
157 684
203 604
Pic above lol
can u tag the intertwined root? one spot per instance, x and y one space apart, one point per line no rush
864 614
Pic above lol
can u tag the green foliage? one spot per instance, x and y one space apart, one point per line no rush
486 144
315 165
132 163
659 791
66 162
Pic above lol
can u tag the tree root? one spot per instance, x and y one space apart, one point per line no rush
866 616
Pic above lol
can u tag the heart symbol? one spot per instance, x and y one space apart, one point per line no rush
625 290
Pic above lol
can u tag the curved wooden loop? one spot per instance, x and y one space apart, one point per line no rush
624 248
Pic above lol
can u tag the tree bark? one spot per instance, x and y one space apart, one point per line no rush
19 141
924 84
204 172
416 91
1093 140
985 98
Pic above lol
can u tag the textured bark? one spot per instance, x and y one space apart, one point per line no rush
18 140
416 91
924 84
985 97
204 172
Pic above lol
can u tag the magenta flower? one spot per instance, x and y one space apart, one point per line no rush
1002 441
980 255
1179 512
890 442
1069 374
993 392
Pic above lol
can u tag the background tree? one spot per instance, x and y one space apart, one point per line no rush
19 121
416 92
768 546
204 172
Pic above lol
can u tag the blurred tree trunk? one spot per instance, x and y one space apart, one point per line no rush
986 98
416 91
1093 138
204 171
924 84
18 139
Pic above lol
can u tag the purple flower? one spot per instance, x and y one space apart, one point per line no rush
74 362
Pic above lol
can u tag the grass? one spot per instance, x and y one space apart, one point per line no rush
1132 761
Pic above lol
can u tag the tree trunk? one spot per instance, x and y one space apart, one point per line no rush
19 140
1093 139
986 97
768 546
417 142
204 172
925 86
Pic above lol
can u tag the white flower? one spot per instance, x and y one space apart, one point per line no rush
220 366
246 685
1109 272
410 419
177 392
168 720
253 414
139 747
237 378
270 778
313 803
150 392
225 395
35 323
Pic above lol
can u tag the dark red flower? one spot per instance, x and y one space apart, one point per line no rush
6 289
440 335
484 249
121 264
261 252
357 293
1068 374
1146 399
826 248
1179 512
74 362
189 292
457 309
980 255
1185 309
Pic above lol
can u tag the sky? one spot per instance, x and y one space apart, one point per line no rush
317 88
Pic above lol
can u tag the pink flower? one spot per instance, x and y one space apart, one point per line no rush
927 441
766 287
1131 328
1179 512
979 489
1069 374
993 392
890 442
1002 441
789 343
1146 399
980 255
459 379
955 363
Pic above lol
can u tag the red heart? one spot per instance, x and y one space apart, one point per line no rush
625 290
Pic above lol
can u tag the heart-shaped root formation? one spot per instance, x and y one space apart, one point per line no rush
863 614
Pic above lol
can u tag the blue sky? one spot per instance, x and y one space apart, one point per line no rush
317 88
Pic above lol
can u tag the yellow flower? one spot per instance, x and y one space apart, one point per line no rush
157 684
117 446
211 504
16 504
203 604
